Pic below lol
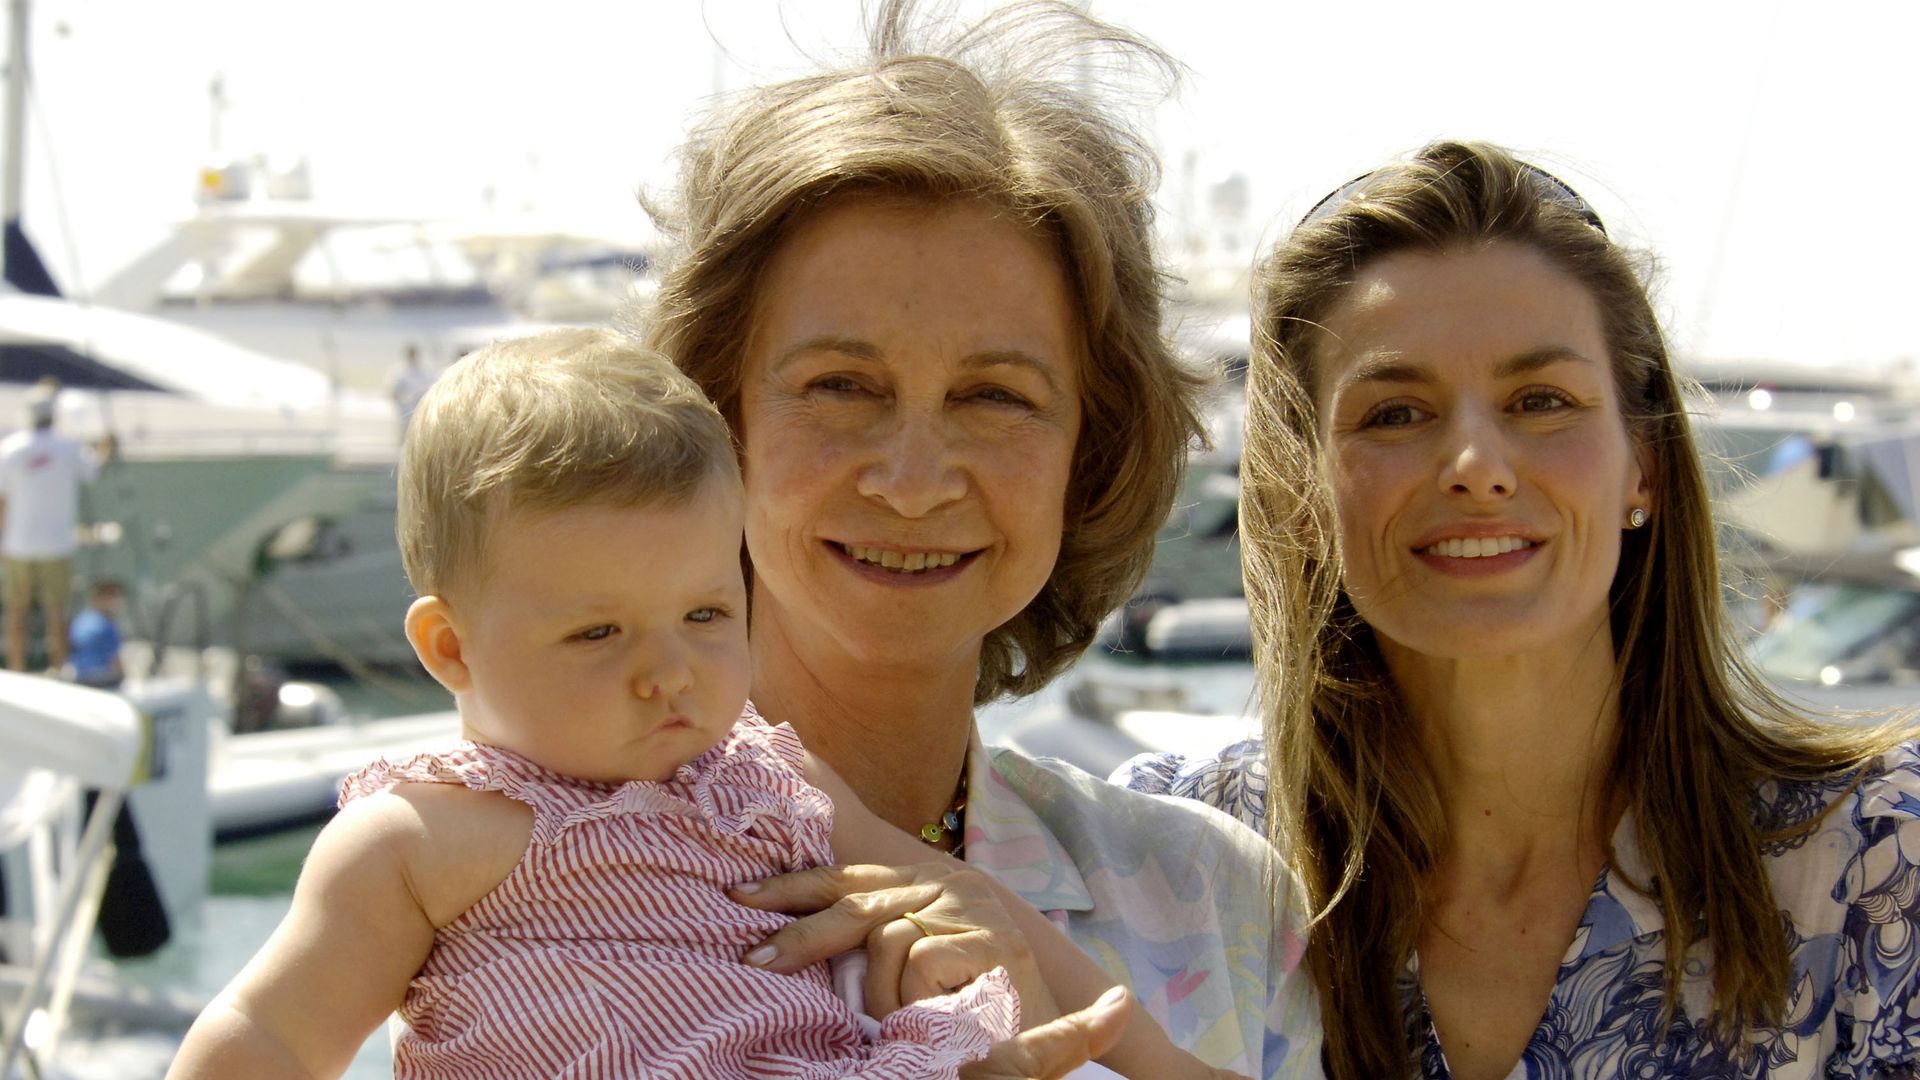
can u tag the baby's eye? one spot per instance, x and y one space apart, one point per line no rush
597 633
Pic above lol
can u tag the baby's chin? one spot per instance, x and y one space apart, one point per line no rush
655 756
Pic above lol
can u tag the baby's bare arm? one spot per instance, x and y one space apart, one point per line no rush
378 880
1071 975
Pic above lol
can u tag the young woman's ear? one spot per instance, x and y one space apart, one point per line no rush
1642 495
436 641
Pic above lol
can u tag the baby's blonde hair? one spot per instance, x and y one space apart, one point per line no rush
560 419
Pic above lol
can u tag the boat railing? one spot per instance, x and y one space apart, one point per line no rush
58 739
194 594
256 442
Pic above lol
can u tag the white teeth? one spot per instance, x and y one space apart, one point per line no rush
901 562
1477 547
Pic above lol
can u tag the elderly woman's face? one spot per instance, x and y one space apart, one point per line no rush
1481 465
909 408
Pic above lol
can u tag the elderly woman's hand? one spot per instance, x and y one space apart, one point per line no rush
928 929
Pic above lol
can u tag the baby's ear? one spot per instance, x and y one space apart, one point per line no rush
436 641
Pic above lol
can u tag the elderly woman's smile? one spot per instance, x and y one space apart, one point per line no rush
909 409
903 563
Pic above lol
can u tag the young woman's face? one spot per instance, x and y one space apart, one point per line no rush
1480 462
909 409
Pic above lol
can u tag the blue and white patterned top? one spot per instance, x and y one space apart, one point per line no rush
1849 891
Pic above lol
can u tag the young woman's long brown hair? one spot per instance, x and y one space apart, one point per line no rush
1354 808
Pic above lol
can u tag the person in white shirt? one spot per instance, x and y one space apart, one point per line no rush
410 384
41 472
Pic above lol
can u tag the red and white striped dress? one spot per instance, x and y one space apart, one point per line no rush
612 950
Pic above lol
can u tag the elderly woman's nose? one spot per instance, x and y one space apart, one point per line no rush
915 468
1476 459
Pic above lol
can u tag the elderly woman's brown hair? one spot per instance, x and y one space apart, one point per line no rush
967 113
1354 809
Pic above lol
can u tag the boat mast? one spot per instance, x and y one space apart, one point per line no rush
24 270
16 109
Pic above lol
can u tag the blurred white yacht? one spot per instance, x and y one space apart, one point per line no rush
347 290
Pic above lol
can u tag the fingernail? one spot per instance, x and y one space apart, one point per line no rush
747 888
762 956
1111 998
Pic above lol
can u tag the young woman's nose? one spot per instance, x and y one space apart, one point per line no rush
1476 460
914 466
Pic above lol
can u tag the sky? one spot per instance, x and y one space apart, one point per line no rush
1760 151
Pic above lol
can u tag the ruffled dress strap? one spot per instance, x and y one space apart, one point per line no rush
752 775
557 800
933 1038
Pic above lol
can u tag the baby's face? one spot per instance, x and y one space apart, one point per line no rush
609 643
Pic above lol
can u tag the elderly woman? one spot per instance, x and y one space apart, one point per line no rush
923 291
1549 822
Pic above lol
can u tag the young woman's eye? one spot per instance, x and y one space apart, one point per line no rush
597 633
1394 414
1539 401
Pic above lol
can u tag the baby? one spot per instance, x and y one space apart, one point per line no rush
548 899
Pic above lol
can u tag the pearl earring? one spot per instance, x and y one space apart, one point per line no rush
1636 517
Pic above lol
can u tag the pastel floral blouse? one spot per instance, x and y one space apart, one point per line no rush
1172 897
1849 891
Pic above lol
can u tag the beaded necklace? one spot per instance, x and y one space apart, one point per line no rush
952 823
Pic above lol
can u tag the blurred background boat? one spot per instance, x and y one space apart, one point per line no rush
347 291
348 294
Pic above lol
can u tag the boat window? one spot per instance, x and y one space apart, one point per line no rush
1860 631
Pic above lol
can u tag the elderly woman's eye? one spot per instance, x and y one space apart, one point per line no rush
1000 395
836 384
705 614
597 633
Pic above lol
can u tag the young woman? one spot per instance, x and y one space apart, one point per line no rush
1550 823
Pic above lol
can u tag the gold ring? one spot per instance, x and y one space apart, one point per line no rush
918 925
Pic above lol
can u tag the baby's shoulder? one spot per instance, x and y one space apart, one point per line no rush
452 845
